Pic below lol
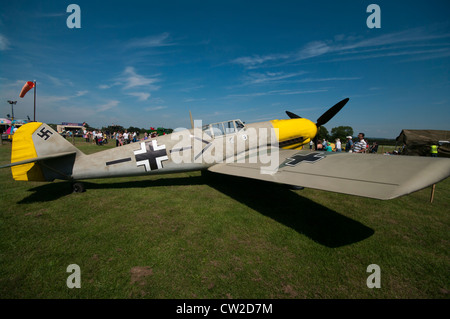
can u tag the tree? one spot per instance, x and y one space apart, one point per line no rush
133 129
341 132
322 133
53 126
113 128
88 127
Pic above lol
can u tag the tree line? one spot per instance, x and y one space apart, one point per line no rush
342 132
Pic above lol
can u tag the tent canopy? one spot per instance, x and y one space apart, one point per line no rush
418 142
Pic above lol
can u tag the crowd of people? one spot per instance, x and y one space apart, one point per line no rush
121 137
360 146
95 137
124 137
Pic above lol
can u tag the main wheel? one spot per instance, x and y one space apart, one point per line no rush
78 187
295 187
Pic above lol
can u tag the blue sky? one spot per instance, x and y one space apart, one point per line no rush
147 63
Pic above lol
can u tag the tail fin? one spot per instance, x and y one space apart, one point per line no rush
46 154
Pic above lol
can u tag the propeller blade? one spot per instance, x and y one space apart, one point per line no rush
292 115
328 115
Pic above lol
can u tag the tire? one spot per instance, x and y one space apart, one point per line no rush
78 187
295 187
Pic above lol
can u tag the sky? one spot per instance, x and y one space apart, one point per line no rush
147 63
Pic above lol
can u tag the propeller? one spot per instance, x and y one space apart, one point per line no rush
325 117
328 115
292 115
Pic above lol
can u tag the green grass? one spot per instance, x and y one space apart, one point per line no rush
206 236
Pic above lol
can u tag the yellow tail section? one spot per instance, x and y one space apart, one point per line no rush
23 149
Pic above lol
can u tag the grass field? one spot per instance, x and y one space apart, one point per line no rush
206 236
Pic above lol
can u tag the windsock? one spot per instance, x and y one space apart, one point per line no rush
28 86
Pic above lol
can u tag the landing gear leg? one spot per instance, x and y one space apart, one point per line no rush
78 187
296 188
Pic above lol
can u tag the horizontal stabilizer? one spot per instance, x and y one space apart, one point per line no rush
37 159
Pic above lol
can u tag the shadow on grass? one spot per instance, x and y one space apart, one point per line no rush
53 191
305 216
276 201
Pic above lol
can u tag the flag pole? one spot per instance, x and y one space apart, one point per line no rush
34 118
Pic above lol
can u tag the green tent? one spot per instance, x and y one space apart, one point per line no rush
418 142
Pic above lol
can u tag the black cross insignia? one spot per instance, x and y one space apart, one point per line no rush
44 134
308 158
151 155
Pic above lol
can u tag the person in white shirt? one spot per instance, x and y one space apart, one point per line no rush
361 145
125 137
338 145
94 137
99 137
85 135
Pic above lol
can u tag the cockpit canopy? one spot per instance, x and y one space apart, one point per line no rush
223 128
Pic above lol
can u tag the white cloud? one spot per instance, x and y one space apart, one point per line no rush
131 79
262 78
18 83
57 81
191 88
140 95
106 106
256 60
302 92
307 80
81 93
52 98
355 45
160 40
426 54
155 108
276 92
56 98
194 100
313 49
411 35
4 43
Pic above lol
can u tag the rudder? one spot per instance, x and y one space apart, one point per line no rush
34 140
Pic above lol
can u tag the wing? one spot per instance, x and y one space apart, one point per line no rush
368 175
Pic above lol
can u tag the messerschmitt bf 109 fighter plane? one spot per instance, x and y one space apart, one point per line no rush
269 151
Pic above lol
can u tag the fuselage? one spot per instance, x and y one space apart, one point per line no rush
193 149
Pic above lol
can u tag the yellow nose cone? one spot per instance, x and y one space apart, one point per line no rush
294 128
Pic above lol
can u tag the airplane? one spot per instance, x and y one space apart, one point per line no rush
269 151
